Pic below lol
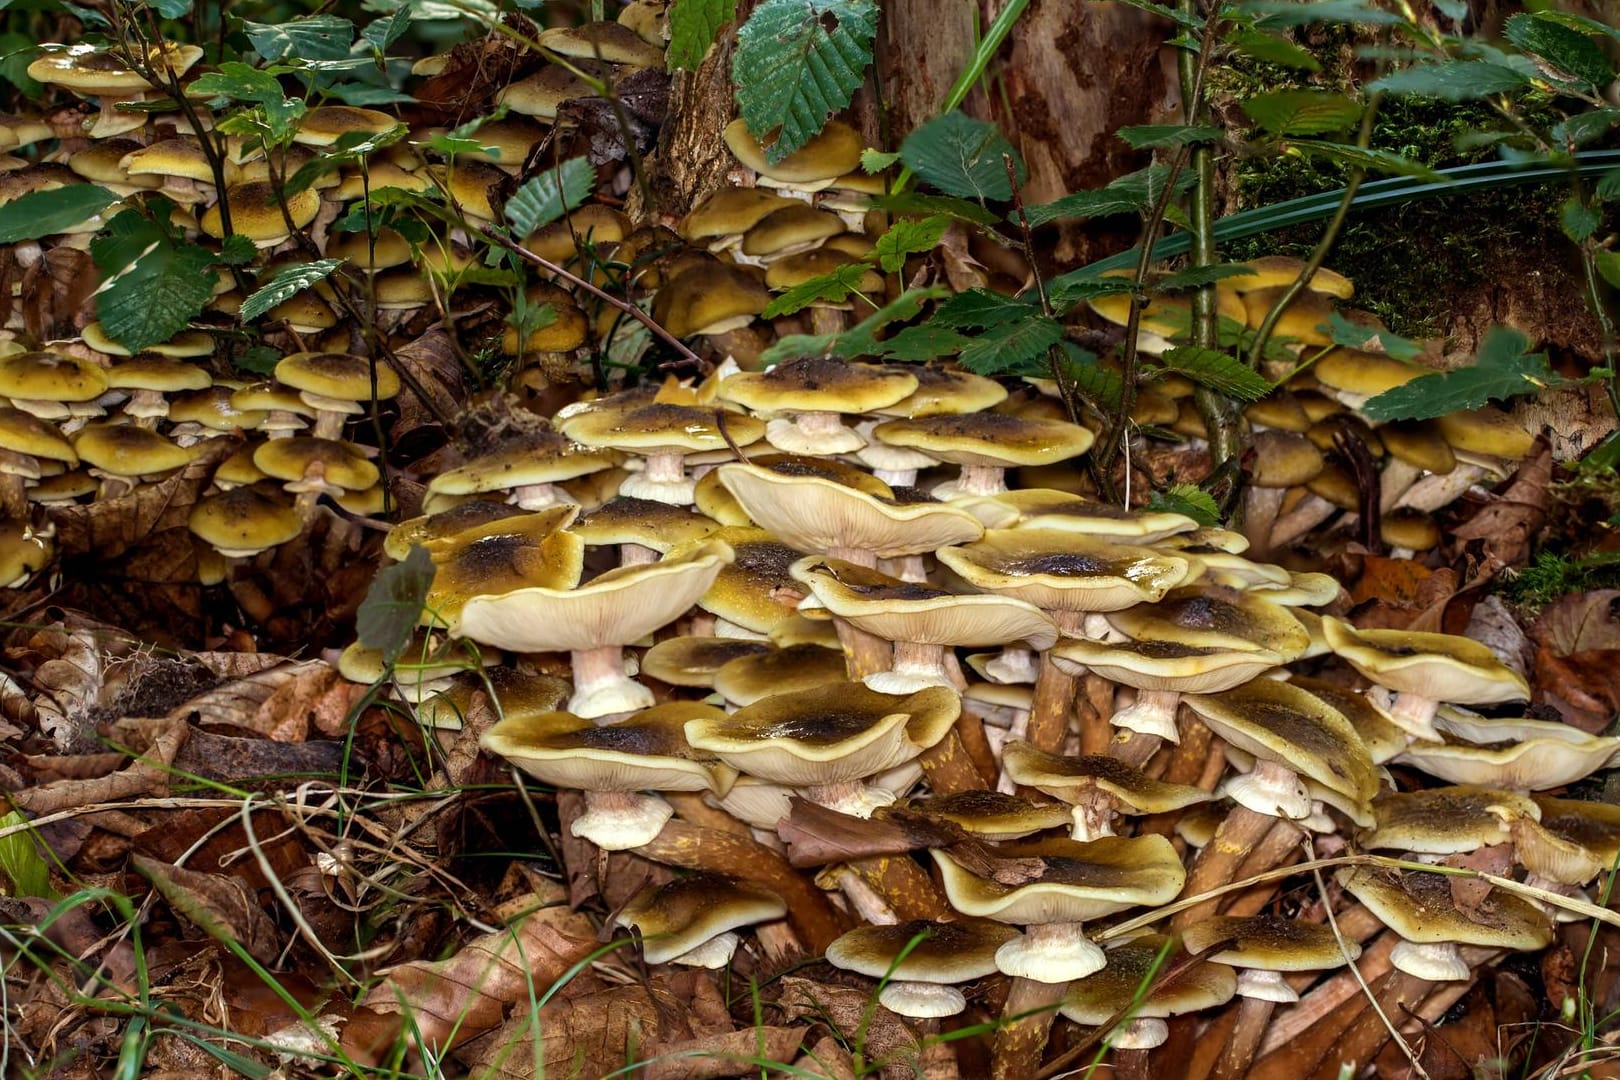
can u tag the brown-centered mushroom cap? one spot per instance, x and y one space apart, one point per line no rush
540 94
324 125
1043 508
694 661
791 669
1067 880
755 589
1445 820
992 815
646 751
1486 431
602 41
445 524
1068 571
127 450
987 438
1166 663
1069 777
245 520
649 427
818 384
1131 970
711 298
50 376
660 526
537 459
1205 615
1523 755
24 433
1441 667
678 919
1382 738
731 211
257 215
1270 942
834 151
500 556
1420 907
922 960
327 463
342 377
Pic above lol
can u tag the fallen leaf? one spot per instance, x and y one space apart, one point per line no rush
223 907
1508 523
816 836
107 528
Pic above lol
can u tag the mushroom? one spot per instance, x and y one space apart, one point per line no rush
531 468
755 592
26 441
642 529
664 435
1126 985
314 467
808 398
1096 786
695 661
790 669
511 693
256 212
502 556
831 153
447 523
613 764
125 455
719 221
605 41
921 962
335 384
986 445
150 378
1524 755
92 73
44 384
991 815
693 920
244 521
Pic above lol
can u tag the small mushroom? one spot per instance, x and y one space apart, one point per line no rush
693 920
922 962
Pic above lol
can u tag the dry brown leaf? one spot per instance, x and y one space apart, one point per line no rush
962 270
735 1053
466 995
1580 622
1577 659
237 665
68 688
223 842
816 836
431 359
243 702
316 697
585 1034
109 527
848 1012
147 775
1508 524
223 907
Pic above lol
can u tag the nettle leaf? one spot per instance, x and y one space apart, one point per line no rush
153 283
1153 136
908 236
1579 22
1370 159
237 81
1129 194
1221 372
1099 385
1302 112
875 161
1578 220
314 37
910 202
1009 346
834 286
1607 187
1288 13
982 307
797 63
1067 290
693 27
922 343
1452 80
1271 49
366 95
1189 500
1502 369
860 339
1371 339
388 615
45 213
962 156
237 250
1194 277
1571 54
550 195
383 32
286 283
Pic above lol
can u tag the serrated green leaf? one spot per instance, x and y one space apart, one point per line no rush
922 343
1502 369
45 213
962 156
1189 500
984 308
860 339
876 161
1578 220
797 63
259 360
1608 267
1068 290
1221 372
1004 348
1452 80
910 202
237 250
835 286
1371 339
25 871
313 37
286 283
1129 194
1302 112
693 27
1570 54
1607 187
153 285
1153 136
173 9
1099 385
1194 277
1580 22
1271 49
1287 13
1368 158
366 95
1587 126
550 195
908 236
387 617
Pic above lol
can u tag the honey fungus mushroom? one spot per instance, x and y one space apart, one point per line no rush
694 919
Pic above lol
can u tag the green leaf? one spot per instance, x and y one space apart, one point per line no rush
1608 266
1371 339
860 339
961 156
1189 500
388 615
922 343
45 213
22 866
1067 290
1579 22
1452 80
550 195
693 27
153 284
1129 194
1607 187
259 360
836 286
1302 112
908 236
876 161
314 37
1271 49
1099 385
910 202
286 283
383 32
1286 13
1372 160
1501 370
1587 127
1221 372
1194 277
237 81
983 308
237 250
1152 136
797 63
1006 348
1578 220
1571 54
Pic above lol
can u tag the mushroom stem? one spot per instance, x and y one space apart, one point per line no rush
1272 788
1051 703
13 497
621 820
1152 713
1415 714
1239 1052
1093 815
1260 508
896 477
1311 512
863 900
850 797
1014 664
1026 1021
636 555
539 496
974 480
328 424
913 667
601 688
663 480
1216 862
1045 945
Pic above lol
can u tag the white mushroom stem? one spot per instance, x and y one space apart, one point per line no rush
1311 512
621 820
1271 789
826 430
1152 713
1434 961
912 568
328 424
147 407
663 480
636 555
1394 481
851 797
1265 986
914 667
1051 953
863 899
1014 664
1441 489
1093 816
1414 714
601 688
1260 508
896 477
540 496
727 629
974 480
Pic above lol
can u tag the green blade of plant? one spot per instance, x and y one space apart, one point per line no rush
693 27
962 156
21 864
1188 499
982 307
797 63
1012 347
1452 80
388 616
860 339
1153 136
1371 339
286 283
550 195
834 286
1502 369
46 213
1360 157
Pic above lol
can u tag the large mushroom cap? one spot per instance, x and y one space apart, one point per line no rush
987 438
244 521
1212 615
1269 942
1165 663
538 459
340 376
677 918
127 450
1447 820
818 384
1126 985
50 376
647 751
731 211
833 152
1070 777
1045 508
446 523
1420 907
1067 880
502 556
319 464
921 951
710 298
789 670
992 815
654 427
1441 667
1065 571
1524 755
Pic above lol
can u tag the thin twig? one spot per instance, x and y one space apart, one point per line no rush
1054 355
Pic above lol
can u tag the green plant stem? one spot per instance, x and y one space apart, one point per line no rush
1330 235
1054 355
